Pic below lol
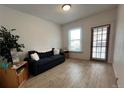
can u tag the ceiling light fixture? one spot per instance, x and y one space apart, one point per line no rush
66 7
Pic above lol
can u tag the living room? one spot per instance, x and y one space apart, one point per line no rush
59 45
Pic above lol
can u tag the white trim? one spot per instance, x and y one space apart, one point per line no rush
115 72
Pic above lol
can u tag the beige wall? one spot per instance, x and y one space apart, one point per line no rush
119 48
106 17
34 32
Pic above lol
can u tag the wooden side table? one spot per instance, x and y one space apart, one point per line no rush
14 76
66 53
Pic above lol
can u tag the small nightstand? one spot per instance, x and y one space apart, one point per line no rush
14 76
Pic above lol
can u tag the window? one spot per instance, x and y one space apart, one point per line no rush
75 40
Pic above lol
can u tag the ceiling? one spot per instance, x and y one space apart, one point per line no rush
54 13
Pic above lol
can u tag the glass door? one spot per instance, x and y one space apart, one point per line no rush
99 42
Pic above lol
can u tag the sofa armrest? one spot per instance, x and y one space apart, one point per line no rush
33 66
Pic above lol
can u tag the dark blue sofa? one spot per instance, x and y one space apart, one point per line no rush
47 61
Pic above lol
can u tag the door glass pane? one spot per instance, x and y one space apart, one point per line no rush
95 32
103 55
104 31
94 49
99 30
104 36
105 28
99 43
95 37
104 43
94 43
103 49
98 49
98 55
99 36
94 55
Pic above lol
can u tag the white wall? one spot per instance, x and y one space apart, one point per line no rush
119 47
106 17
34 32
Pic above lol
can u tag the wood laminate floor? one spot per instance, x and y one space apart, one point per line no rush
75 74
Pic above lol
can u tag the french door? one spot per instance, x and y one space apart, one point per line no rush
100 42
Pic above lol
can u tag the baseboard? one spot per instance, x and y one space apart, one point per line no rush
79 59
115 74
86 60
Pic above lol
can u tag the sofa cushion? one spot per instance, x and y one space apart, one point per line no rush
45 54
44 61
56 57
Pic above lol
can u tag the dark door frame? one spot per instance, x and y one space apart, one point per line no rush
107 43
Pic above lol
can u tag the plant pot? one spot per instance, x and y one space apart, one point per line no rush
5 65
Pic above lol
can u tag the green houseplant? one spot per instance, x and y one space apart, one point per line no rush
8 41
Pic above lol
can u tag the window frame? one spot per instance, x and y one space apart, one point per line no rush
69 40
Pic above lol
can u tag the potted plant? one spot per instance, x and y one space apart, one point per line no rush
8 42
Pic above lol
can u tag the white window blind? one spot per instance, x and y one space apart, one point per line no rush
75 40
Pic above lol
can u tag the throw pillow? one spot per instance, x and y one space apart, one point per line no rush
56 51
35 56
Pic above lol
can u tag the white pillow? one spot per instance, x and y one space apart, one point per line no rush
56 51
35 56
